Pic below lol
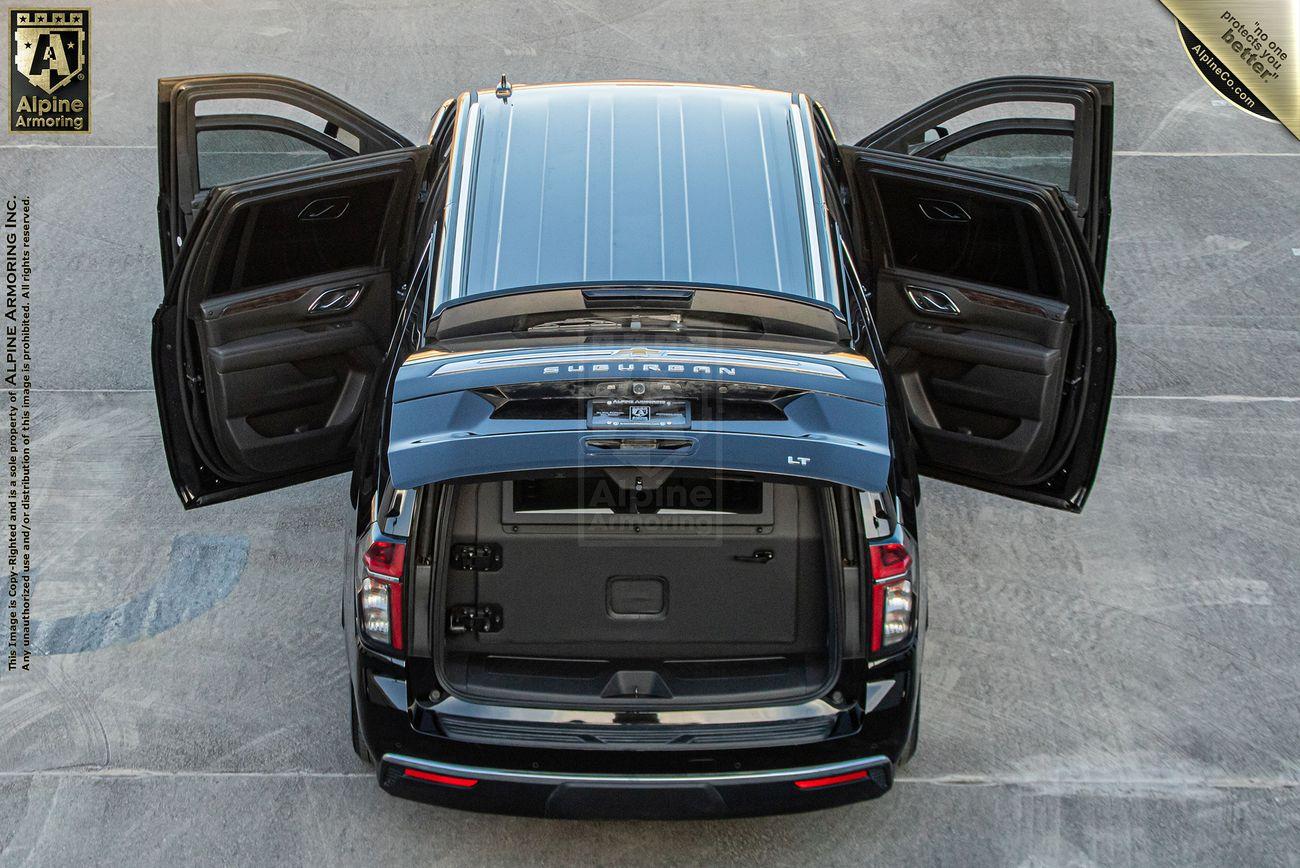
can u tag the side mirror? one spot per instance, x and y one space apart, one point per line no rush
933 134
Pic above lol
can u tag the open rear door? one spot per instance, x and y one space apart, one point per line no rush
1054 131
991 314
281 304
214 130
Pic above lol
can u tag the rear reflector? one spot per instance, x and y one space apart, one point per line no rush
448 780
818 783
889 560
385 558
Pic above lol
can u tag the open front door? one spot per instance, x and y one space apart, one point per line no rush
214 130
281 303
991 314
1049 130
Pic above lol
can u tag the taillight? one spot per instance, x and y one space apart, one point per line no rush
891 594
889 560
386 557
380 596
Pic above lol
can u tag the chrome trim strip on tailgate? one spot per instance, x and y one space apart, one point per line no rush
813 709
769 776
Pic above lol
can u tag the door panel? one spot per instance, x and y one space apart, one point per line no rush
1021 140
273 124
992 322
1017 314
277 315
982 387
287 378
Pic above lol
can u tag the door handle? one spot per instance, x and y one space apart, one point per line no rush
931 301
336 300
329 208
761 556
943 211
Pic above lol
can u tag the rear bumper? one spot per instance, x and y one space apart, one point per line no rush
528 778
644 796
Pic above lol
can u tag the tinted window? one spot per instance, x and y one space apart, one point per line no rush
304 235
963 237
230 155
1037 156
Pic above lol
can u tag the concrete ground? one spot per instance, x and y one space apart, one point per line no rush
1120 687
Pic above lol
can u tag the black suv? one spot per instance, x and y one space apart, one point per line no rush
635 382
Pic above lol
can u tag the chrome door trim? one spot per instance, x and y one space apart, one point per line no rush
336 299
468 165
934 302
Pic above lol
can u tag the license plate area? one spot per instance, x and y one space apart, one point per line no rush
592 801
653 413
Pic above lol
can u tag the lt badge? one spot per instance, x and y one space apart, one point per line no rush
49 81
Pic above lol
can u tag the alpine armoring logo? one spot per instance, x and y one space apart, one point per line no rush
49 78
1220 77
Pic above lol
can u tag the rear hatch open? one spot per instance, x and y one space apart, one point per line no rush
636 588
636 527
814 416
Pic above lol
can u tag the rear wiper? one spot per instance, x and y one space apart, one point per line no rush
649 322
674 322
577 322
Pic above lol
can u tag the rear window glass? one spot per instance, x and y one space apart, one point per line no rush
230 155
247 138
1038 156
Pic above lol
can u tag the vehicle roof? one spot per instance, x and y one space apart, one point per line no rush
626 181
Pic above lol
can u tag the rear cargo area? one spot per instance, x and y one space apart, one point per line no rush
633 587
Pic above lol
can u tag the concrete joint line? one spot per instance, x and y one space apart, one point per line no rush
1158 784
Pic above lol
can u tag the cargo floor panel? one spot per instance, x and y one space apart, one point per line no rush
607 605
561 597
